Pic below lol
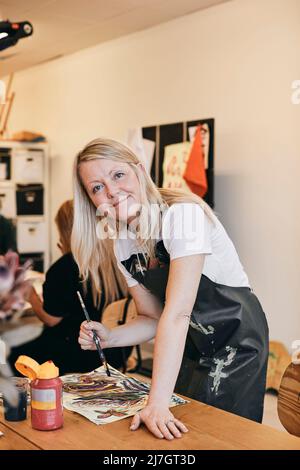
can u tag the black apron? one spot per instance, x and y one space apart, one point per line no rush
226 352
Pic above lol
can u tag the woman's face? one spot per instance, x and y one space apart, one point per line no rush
112 186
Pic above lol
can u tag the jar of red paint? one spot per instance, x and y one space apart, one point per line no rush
46 393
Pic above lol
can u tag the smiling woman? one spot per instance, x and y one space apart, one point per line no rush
184 274
111 184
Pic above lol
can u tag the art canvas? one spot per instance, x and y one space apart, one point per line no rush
103 399
175 161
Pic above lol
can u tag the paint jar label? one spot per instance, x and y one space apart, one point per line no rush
43 399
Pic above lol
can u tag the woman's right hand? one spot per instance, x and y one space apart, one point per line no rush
86 335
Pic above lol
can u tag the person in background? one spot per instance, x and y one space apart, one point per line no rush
61 312
7 234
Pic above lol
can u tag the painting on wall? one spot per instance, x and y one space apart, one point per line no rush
165 170
103 399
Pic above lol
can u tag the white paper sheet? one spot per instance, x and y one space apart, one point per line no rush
143 148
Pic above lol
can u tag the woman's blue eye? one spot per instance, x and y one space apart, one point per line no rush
97 188
119 174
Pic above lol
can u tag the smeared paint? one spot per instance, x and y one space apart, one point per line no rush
206 331
218 373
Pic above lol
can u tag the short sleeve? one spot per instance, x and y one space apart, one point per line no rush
186 230
121 254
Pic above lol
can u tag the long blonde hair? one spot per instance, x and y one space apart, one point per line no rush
90 252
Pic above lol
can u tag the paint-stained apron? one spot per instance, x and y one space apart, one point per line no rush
226 352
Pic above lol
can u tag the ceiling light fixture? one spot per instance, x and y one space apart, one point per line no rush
10 33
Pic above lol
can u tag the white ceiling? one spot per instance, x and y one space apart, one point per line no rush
65 26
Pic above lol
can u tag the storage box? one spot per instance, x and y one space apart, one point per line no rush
31 236
30 199
28 166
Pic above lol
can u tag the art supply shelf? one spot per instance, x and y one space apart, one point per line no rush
24 198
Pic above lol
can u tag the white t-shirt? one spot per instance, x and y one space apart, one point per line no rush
187 230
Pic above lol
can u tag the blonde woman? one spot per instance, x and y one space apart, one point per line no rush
190 289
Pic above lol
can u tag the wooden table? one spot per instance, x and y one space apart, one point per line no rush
209 428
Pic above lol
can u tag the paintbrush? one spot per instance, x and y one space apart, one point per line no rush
95 336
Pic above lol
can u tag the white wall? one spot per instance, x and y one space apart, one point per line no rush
234 62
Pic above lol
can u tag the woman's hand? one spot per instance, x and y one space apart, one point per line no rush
86 335
160 421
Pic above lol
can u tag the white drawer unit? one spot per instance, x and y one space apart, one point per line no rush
28 166
8 201
31 235
24 193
